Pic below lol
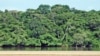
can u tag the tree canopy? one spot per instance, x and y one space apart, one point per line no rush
57 25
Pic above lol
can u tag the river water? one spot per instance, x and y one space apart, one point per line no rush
47 49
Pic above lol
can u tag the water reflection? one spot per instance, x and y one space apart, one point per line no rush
47 49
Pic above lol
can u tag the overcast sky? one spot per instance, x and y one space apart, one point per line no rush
25 4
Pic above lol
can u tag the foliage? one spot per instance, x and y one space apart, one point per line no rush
57 25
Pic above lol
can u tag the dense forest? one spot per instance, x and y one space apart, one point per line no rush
50 26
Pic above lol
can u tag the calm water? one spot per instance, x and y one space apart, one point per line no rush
47 49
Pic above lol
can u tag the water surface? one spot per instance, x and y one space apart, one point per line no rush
47 49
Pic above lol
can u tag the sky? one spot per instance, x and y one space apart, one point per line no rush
33 4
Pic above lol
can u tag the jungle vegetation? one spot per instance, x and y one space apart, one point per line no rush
50 26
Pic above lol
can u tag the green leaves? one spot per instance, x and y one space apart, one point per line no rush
58 25
44 9
60 9
49 40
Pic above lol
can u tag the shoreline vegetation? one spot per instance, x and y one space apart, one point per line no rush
50 26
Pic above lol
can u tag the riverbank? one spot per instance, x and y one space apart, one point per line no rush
49 53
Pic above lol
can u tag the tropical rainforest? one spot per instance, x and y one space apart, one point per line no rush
50 26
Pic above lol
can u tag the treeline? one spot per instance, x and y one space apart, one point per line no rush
58 25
